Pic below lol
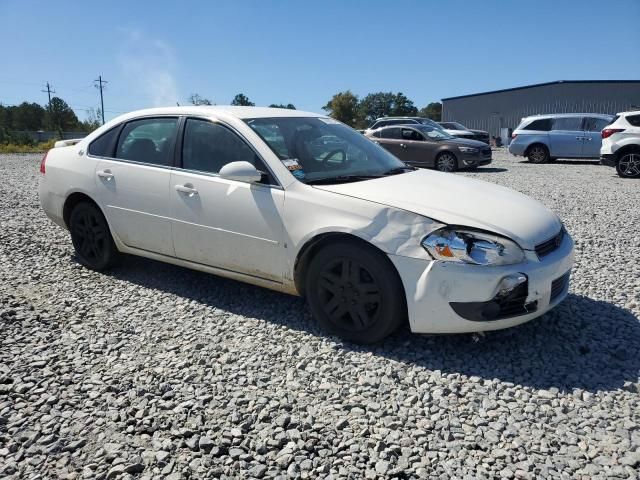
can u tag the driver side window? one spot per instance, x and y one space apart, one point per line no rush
208 146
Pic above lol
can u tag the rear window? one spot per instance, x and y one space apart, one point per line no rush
104 145
391 133
634 120
543 125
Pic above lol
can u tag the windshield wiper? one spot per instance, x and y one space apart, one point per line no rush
341 179
397 170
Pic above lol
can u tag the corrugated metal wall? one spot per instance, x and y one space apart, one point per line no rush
492 111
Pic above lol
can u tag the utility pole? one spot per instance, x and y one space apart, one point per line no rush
48 91
100 87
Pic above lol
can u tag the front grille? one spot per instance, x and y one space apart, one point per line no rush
545 248
558 286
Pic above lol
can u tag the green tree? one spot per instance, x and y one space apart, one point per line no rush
93 121
27 116
343 106
290 106
432 111
60 116
242 100
386 104
196 99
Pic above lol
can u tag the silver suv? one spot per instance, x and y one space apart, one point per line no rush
544 138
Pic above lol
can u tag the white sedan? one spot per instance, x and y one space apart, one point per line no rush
300 203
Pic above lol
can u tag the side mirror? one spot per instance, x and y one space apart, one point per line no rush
241 172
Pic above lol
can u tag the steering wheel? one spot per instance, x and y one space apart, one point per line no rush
333 153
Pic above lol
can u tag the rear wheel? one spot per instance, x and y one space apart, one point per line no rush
354 292
446 162
91 237
629 165
538 154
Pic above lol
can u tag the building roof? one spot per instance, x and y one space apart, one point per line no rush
557 82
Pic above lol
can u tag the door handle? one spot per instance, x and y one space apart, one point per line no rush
580 138
187 189
106 174
402 145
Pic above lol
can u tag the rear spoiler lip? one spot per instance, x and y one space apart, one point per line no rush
67 143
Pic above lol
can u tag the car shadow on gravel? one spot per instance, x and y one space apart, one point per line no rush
488 170
582 343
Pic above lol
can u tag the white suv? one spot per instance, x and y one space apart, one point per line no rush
621 144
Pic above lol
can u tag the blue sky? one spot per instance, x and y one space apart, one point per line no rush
157 53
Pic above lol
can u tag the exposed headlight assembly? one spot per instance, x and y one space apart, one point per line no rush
468 150
469 246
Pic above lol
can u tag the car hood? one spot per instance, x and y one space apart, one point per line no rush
467 142
456 200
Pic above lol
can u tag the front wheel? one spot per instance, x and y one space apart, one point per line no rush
91 237
354 292
447 162
629 165
538 154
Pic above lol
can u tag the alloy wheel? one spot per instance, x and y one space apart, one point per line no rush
537 154
446 163
349 294
91 236
629 165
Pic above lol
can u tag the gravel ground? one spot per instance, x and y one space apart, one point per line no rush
154 371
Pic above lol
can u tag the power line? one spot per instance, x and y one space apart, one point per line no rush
100 82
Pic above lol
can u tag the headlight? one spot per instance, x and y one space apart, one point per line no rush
469 246
468 150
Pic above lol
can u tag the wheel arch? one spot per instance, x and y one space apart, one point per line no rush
534 144
633 147
318 242
74 199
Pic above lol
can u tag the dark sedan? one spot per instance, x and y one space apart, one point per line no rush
429 146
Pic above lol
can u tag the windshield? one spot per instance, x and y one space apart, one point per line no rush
322 149
434 132
458 126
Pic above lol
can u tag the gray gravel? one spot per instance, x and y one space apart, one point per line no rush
154 371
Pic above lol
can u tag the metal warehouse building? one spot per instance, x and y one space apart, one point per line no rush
492 111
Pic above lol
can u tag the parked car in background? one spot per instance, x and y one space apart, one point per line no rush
458 130
621 144
544 138
430 146
388 121
302 204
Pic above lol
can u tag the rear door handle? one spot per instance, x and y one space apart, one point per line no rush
106 174
402 145
580 138
187 189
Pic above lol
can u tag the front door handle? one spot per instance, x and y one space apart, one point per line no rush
187 189
106 174
402 145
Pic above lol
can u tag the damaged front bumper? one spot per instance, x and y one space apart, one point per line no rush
444 297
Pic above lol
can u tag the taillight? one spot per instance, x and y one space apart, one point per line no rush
607 132
44 159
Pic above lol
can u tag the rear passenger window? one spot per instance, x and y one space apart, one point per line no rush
391 133
634 120
571 124
148 141
592 124
544 125
105 144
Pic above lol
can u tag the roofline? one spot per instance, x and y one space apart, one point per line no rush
557 82
570 114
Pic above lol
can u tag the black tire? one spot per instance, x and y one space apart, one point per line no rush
628 165
355 293
446 162
538 153
91 237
